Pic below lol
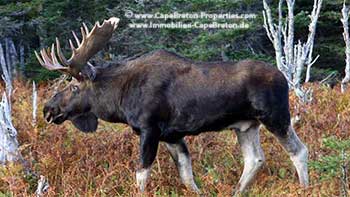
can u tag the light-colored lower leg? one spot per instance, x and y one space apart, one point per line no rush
141 178
298 153
182 159
253 155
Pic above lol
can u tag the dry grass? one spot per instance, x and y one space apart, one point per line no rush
103 163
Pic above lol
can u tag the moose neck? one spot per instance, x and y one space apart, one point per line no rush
106 97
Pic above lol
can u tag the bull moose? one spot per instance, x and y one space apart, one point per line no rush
165 97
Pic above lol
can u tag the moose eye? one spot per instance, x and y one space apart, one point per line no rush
75 88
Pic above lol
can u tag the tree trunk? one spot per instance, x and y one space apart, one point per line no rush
8 134
344 20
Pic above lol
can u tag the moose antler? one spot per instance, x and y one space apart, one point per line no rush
92 42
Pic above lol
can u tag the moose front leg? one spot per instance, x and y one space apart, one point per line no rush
182 159
149 140
253 155
298 153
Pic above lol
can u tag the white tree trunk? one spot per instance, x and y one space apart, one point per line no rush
294 57
275 36
5 71
289 37
8 134
344 20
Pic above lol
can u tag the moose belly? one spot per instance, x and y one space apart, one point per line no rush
174 132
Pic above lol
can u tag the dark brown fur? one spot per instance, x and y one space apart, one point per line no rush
165 97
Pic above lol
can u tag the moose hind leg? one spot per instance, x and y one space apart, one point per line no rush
298 153
182 159
253 155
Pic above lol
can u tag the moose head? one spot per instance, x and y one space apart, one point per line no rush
72 102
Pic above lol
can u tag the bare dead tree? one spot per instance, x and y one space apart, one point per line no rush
292 58
8 134
344 20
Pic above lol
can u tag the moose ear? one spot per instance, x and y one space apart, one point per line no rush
86 122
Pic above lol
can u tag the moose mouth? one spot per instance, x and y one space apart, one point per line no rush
57 119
